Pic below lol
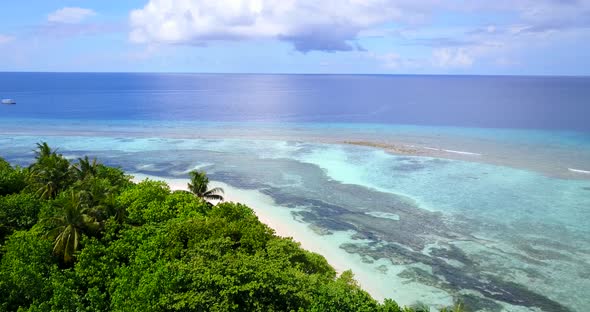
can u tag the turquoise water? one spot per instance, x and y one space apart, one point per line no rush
498 237
549 152
477 188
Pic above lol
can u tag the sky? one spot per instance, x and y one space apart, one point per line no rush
479 37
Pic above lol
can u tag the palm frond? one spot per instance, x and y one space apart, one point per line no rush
214 197
215 190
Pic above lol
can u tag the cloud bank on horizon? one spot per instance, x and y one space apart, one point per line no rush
381 36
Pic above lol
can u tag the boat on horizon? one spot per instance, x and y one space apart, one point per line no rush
8 101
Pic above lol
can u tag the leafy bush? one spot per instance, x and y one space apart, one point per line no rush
12 180
18 212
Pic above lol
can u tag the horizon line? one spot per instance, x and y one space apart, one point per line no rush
302 74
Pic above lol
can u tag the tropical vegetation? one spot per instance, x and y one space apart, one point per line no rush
82 237
199 185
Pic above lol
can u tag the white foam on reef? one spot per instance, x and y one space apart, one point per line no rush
451 151
461 152
195 167
73 157
379 278
578 171
384 215
458 187
147 167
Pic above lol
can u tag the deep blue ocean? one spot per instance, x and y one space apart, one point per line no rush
430 188
462 101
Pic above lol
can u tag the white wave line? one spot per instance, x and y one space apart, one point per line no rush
578 171
462 152
196 167
452 151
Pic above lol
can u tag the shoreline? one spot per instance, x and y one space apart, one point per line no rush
378 284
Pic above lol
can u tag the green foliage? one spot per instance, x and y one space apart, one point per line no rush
50 174
18 212
99 187
91 240
185 205
67 228
144 202
211 264
12 180
343 295
98 195
115 176
199 185
25 269
85 168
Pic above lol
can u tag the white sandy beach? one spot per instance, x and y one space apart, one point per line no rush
370 276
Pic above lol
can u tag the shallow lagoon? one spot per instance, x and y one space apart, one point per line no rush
414 228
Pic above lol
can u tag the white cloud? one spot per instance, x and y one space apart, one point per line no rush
328 25
452 57
391 60
5 39
461 57
70 15
446 58
336 25
396 62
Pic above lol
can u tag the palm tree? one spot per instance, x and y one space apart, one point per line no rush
50 173
199 186
113 209
68 226
101 197
86 168
43 150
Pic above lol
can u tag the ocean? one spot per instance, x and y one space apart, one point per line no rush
430 188
555 103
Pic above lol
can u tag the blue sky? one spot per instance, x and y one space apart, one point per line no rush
517 37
